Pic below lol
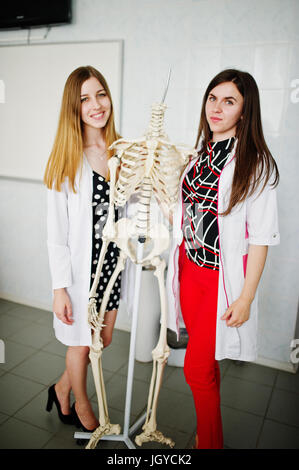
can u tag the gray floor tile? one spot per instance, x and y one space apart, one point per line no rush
6 305
252 372
35 413
143 371
12 325
278 436
67 432
34 335
15 353
116 394
224 365
246 396
115 356
176 381
240 429
55 347
28 313
42 367
3 417
57 442
46 319
284 407
287 381
108 444
16 392
176 410
121 337
15 434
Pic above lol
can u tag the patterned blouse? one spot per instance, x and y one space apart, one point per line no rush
200 205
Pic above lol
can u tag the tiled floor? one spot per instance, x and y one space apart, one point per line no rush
260 406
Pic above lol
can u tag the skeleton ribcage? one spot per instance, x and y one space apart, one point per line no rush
163 174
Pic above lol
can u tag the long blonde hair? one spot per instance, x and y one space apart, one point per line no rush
67 153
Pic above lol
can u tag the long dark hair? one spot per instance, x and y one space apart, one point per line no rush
254 162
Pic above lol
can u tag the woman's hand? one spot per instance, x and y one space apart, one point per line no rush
62 306
238 312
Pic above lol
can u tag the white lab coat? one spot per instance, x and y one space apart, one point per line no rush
253 222
69 225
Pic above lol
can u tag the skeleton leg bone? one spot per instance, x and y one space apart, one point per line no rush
160 355
95 355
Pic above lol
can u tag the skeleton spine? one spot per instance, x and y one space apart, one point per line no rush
155 129
143 208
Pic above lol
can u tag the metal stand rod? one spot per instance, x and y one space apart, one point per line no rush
126 431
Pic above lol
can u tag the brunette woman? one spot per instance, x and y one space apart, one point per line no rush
224 222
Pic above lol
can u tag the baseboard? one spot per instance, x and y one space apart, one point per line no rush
29 303
274 364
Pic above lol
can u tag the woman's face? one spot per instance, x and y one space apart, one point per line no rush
224 110
95 104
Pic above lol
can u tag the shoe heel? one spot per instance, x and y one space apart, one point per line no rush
49 403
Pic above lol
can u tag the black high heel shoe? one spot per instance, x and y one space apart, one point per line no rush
52 398
77 421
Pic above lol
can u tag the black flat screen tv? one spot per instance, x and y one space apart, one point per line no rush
16 14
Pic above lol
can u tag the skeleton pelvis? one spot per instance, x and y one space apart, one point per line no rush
126 238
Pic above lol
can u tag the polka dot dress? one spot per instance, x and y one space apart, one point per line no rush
100 204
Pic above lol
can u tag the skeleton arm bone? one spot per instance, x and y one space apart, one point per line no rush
109 229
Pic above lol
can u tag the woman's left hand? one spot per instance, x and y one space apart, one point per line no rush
237 313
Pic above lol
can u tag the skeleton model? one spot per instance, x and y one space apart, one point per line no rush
151 162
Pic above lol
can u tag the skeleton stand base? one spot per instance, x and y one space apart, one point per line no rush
127 432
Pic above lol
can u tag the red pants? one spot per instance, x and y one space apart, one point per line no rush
198 296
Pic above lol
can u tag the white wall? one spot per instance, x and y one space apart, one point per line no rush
197 39
45 68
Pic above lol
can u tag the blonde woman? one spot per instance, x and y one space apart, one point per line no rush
78 193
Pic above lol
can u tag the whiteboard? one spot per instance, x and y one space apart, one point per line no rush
32 78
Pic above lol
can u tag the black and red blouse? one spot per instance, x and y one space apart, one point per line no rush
200 191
